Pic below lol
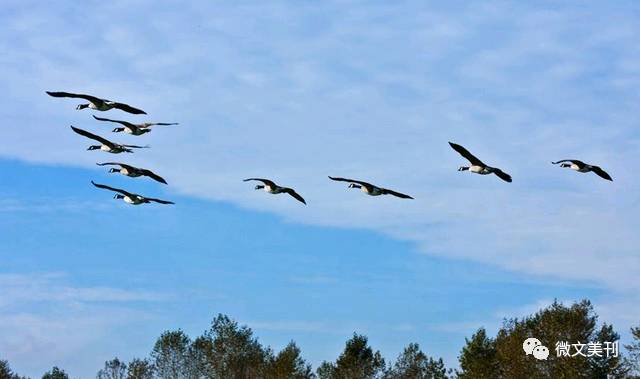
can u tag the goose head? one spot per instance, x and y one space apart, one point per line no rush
113 170
94 147
259 187
82 106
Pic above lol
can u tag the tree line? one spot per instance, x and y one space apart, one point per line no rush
231 351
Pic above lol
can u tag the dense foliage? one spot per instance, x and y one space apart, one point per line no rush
230 351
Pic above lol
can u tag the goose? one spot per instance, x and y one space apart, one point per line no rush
97 103
274 189
583 167
106 145
131 198
370 189
132 172
134 129
477 167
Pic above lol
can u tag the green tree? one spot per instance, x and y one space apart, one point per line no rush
609 367
55 373
357 361
171 355
6 373
414 364
504 358
550 325
113 369
231 351
288 364
140 369
634 352
478 358
201 357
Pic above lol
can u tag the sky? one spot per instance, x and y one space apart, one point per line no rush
297 91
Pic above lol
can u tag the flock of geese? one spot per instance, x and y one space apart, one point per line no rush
476 165
117 148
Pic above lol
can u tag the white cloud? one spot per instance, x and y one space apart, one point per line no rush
342 97
43 316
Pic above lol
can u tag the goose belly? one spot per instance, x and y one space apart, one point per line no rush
479 170
373 192
131 174
134 201
102 107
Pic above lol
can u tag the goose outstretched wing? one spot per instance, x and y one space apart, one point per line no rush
466 154
120 191
92 136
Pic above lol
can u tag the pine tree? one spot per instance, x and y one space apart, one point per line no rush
171 355
634 352
113 369
288 364
414 364
357 361
55 373
140 369
478 359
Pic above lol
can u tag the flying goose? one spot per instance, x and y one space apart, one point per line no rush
134 129
370 189
131 198
106 145
583 167
275 189
477 167
132 172
97 103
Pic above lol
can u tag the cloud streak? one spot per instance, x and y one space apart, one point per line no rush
43 316
322 98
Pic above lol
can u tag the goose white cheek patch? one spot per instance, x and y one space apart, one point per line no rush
529 344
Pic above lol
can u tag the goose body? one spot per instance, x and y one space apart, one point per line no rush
580 166
97 103
274 189
105 144
134 129
370 189
477 166
131 198
132 172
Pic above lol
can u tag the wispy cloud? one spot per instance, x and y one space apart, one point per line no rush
49 205
42 315
319 98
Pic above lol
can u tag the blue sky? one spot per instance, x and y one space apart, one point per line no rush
295 92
